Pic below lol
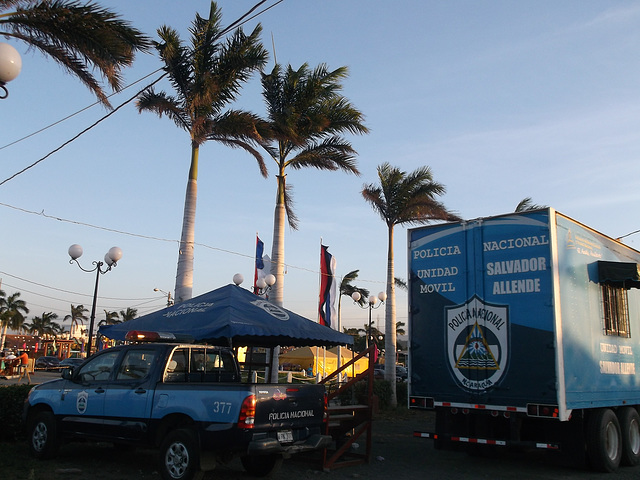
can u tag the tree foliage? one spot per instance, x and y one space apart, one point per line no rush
81 37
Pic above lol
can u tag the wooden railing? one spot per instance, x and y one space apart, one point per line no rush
347 423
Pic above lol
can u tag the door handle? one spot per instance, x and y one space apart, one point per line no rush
140 391
99 390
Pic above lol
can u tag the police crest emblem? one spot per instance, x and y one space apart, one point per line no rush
477 343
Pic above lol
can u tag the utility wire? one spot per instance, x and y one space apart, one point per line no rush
78 112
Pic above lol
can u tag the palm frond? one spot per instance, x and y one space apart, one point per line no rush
81 37
288 205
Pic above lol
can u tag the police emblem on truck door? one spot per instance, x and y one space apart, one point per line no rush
477 343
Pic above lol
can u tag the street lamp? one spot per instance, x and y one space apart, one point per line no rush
263 285
371 304
10 66
168 294
111 260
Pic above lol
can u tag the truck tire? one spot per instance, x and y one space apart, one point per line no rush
604 441
43 441
261 465
180 456
630 427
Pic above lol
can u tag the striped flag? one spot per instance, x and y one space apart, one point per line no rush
327 308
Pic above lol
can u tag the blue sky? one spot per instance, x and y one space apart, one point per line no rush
503 100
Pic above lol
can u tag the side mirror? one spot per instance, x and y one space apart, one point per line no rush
67 373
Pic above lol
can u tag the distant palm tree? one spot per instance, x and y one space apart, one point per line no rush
110 318
43 325
128 314
359 338
11 313
77 316
347 289
402 199
306 115
206 77
400 328
80 37
526 204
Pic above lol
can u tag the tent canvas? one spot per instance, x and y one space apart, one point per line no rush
231 315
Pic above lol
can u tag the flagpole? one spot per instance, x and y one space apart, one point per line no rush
319 292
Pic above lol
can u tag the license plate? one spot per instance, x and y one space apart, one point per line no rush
285 436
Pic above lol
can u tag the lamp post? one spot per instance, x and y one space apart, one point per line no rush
111 260
263 285
10 66
371 304
168 294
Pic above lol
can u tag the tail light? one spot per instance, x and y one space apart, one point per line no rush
247 416
548 411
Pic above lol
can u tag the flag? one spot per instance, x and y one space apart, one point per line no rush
259 263
263 265
327 308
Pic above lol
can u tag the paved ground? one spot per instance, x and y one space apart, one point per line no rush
395 453
36 377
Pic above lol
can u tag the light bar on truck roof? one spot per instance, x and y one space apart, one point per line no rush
148 336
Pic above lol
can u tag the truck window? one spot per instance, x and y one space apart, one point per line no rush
616 310
212 365
98 368
136 364
177 366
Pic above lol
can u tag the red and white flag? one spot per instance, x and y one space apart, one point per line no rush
327 301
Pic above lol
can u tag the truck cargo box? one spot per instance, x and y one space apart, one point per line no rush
523 309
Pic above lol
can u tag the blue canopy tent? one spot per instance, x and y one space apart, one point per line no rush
231 315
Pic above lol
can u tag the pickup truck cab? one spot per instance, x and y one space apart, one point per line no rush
185 400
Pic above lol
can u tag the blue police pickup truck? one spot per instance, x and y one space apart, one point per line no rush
185 400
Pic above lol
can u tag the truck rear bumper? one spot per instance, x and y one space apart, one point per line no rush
265 446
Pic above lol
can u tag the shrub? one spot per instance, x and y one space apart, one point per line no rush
381 389
12 399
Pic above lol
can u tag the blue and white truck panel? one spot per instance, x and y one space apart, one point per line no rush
506 311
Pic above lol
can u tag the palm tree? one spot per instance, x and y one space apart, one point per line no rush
526 204
359 338
11 313
206 77
128 314
306 116
77 316
80 37
43 325
347 289
402 199
110 318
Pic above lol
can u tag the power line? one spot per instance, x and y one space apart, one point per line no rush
226 30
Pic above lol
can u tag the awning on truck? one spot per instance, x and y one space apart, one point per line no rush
232 314
623 274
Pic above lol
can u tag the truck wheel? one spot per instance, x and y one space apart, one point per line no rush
604 441
43 441
261 465
630 427
179 456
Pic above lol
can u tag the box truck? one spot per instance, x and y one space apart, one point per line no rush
525 330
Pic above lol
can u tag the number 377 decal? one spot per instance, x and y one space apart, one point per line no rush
222 407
